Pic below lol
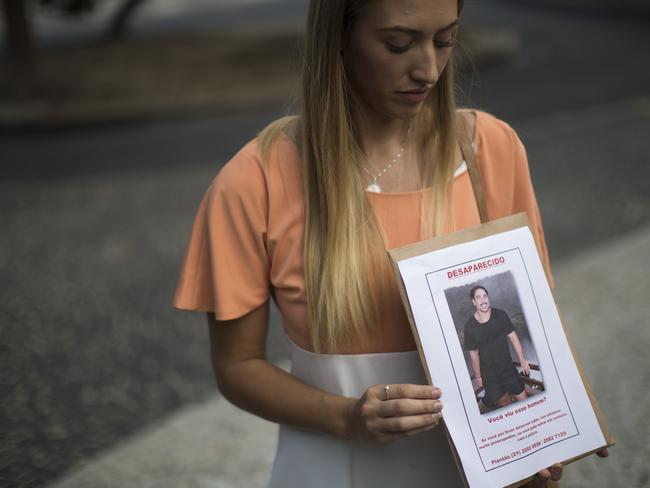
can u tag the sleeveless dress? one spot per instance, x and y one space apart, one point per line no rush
246 246
307 459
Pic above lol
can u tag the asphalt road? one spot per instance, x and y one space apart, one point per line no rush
95 223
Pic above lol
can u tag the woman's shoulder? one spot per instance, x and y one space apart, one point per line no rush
494 136
259 171
259 158
490 127
498 132
242 170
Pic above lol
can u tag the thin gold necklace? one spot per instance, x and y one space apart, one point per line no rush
375 187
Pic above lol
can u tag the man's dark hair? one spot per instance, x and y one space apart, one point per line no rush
473 291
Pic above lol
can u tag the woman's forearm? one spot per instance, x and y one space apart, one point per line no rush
265 390
248 380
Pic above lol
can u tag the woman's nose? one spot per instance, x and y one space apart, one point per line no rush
425 69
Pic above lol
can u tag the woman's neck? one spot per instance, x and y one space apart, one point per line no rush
381 139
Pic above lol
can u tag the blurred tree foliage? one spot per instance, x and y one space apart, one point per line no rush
19 37
117 24
70 7
18 32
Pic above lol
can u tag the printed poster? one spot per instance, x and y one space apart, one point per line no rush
491 337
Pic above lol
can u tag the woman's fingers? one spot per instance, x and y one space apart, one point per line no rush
556 471
385 437
408 408
405 424
400 408
387 412
553 473
398 391
544 474
388 437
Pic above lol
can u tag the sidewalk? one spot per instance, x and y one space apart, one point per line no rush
603 295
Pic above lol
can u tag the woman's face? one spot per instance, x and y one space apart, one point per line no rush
395 53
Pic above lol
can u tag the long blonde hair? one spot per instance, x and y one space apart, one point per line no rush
344 246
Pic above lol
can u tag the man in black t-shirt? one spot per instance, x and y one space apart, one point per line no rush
486 334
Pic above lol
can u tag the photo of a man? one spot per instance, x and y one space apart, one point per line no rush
486 335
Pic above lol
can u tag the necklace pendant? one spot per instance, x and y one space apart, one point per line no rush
373 187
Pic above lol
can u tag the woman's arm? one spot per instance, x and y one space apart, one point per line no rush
248 380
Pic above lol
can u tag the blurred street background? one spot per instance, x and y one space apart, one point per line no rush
114 117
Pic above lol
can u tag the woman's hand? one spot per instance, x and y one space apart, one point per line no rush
383 415
554 473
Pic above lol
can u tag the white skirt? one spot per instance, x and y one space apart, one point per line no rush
310 460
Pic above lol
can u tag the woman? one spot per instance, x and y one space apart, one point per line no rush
305 213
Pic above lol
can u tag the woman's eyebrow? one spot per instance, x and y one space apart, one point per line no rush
408 30
450 26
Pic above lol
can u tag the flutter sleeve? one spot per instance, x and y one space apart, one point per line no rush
226 268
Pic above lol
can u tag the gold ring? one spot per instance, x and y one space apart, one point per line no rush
386 390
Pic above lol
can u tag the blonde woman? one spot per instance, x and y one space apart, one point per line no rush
304 214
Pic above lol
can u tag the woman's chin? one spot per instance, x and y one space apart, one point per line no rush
406 112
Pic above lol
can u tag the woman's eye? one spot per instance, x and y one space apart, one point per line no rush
444 43
398 48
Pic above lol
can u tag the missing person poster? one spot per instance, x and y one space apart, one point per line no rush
491 338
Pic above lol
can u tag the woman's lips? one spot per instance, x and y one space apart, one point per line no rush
414 96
